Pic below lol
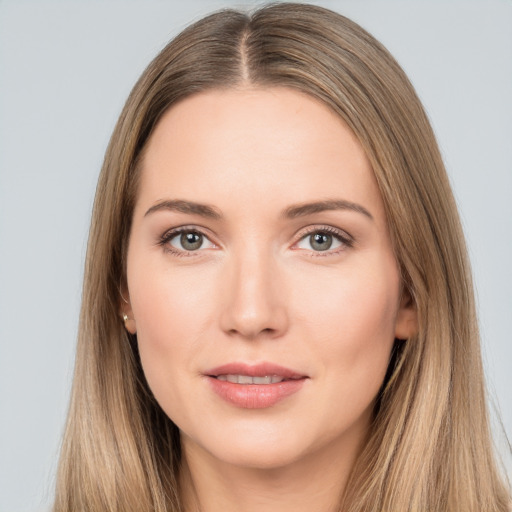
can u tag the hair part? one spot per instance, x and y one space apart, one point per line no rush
429 447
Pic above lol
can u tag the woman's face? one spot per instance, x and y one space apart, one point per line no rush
261 278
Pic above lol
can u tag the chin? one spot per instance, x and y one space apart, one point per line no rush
272 456
257 448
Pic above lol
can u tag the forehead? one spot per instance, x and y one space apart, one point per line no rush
239 146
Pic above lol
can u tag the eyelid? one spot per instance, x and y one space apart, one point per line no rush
345 238
171 233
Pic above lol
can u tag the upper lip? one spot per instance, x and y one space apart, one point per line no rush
254 370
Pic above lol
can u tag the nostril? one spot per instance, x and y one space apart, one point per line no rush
252 306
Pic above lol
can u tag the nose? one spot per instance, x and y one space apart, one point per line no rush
253 301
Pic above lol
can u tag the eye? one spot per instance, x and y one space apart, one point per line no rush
322 240
186 240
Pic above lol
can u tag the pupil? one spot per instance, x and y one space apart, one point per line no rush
321 241
191 241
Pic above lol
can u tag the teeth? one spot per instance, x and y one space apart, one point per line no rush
262 380
247 379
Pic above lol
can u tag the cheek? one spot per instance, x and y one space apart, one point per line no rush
172 312
169 302
359 300
353 325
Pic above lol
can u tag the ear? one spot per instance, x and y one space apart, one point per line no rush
126 311
406 323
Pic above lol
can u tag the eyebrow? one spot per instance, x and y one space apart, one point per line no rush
292 212
182 206
302 210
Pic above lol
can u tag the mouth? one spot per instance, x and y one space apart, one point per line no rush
247 379
254 386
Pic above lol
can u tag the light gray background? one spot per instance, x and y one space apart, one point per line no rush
65 71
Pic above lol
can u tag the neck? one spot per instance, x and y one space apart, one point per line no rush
315 483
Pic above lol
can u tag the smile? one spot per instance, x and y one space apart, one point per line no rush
254 386
247 379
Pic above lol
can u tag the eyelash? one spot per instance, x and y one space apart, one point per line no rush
172 233
346 240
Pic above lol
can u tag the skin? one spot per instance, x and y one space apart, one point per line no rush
257 290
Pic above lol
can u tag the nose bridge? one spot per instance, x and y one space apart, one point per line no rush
255 304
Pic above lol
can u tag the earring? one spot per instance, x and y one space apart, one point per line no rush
129 323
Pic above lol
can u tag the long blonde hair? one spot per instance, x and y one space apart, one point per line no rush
429 447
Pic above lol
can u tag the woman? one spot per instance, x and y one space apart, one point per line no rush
278 310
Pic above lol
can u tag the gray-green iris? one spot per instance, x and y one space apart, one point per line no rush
320 241
191 241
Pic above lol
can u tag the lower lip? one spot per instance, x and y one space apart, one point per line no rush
255 396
